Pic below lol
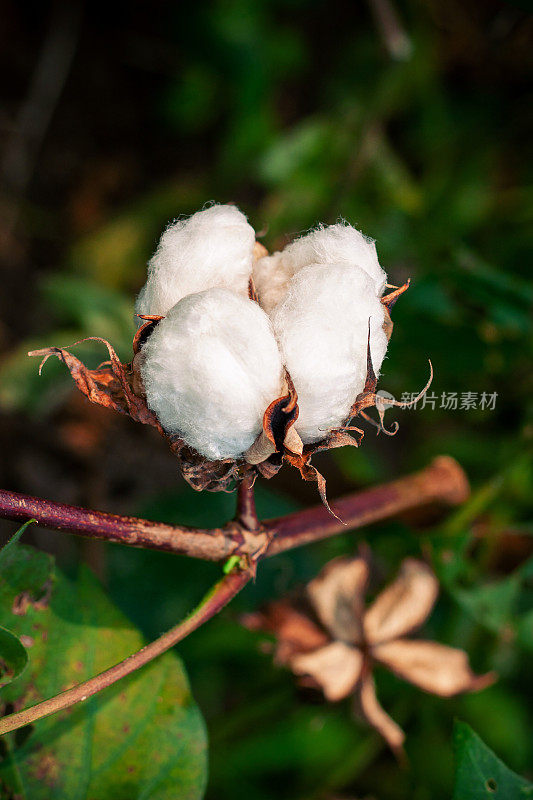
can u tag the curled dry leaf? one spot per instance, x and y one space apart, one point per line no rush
350 640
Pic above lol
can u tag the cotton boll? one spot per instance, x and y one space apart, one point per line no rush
322 329
334 244
212 248
210 370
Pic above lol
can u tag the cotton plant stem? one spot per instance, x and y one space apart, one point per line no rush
214 602
211 545
442 482
246 513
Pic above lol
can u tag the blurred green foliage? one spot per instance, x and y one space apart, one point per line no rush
297 112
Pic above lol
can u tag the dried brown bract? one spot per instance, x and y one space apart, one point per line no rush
118 386
332 641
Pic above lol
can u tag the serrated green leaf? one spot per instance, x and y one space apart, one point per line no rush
142 738
479 773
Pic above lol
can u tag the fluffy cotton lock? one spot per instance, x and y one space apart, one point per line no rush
332 244
210 369
321 325
214 247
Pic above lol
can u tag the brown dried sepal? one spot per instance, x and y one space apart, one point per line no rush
330 640
278 434
119 387
144 331
271 450
390 299
203 474
295 631
110 385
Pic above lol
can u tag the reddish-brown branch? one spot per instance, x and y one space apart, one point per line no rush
246 513
211 545
442 482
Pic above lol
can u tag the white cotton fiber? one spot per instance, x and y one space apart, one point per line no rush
322 329
334 244
211 368
214 247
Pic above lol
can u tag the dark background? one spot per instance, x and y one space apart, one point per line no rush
410 121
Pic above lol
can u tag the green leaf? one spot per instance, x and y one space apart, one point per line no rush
14 539
492 604
13 657
479 773
141 738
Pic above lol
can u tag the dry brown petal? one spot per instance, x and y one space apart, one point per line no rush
342 438
389 299
108 386
302 462
202 474
144 332
278 422
137 384
336 668
377 717
367 398
280 415
434 667
293 441
337 595
296 632
261 449
403 605
267 469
